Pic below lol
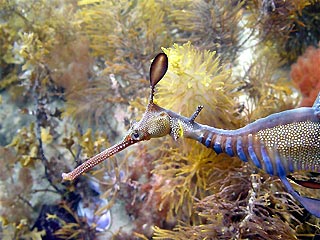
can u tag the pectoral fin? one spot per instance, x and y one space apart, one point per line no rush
310 204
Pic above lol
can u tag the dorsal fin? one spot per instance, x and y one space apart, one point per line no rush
158 69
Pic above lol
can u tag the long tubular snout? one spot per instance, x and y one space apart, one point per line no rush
95 160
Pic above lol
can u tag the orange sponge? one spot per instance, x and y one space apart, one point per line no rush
305 74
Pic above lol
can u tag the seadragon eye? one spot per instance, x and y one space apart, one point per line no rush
136 135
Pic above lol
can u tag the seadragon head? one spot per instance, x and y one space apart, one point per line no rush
155 123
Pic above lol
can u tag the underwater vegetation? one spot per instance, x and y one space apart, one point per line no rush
306 75
291 26
210 25
74 74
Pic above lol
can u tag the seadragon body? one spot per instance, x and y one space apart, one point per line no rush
279 144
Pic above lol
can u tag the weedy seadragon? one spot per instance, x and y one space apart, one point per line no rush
279 144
